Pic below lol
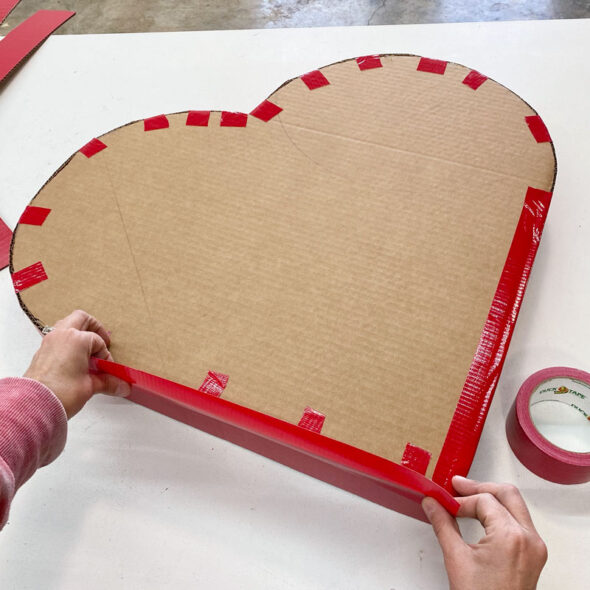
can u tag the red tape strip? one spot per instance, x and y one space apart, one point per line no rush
93 147
434 66
198 118
229 119
474 79
34 215
416 458
29 276
214 383
312 420
28 35
538 129
266 110
6 7
474 402
157 122
315 80
369 62
5 241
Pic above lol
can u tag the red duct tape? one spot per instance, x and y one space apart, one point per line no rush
352 469
34 215
315 80
416 458
474 79
5 241
28 35
6 7
214 383
229 119
29 276
467 423
312 420
198 118
157 122
434 66
538 129
266 110
369 62
562 384
93 147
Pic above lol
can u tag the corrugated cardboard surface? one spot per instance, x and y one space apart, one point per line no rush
343 255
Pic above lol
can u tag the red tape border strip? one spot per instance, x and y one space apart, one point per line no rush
467 423
5 241
6 7
34 215
350 468
29 276
28 35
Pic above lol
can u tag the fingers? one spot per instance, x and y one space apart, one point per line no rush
444 525
506 494
98 347
80 320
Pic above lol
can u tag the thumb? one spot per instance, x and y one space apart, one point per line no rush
111 385
444 525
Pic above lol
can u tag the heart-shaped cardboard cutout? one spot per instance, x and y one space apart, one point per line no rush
339 248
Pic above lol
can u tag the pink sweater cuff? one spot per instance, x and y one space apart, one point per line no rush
33 427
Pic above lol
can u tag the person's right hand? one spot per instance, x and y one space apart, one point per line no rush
511 554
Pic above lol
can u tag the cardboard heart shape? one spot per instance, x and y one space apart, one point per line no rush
338 249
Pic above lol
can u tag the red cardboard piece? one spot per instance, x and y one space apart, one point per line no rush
5 241
27 36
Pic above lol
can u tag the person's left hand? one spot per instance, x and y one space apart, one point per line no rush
61 363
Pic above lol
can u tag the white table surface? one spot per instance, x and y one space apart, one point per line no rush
138 501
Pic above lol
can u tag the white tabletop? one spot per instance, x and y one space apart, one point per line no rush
138 501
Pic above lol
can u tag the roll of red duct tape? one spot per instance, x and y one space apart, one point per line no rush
549 461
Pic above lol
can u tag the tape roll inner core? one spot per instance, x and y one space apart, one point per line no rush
560 410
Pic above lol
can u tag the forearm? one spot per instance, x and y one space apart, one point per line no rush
33 428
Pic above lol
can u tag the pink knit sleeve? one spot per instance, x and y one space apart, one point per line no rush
33 429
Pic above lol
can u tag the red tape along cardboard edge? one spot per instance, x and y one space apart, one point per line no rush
6 7
342 465
28 35
533 450
470 414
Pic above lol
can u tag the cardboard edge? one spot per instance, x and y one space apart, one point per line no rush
359 472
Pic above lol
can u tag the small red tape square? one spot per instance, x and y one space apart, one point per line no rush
369 62
312 420
266 110
29 276
214 383
315 80
538 129
434 66
198 118
474 79
34 215
229 119
93 147
416 458
157 122
5 241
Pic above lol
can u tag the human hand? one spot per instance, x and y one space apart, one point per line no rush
61 363
510 555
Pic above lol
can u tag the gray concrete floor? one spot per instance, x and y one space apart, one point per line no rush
124 16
